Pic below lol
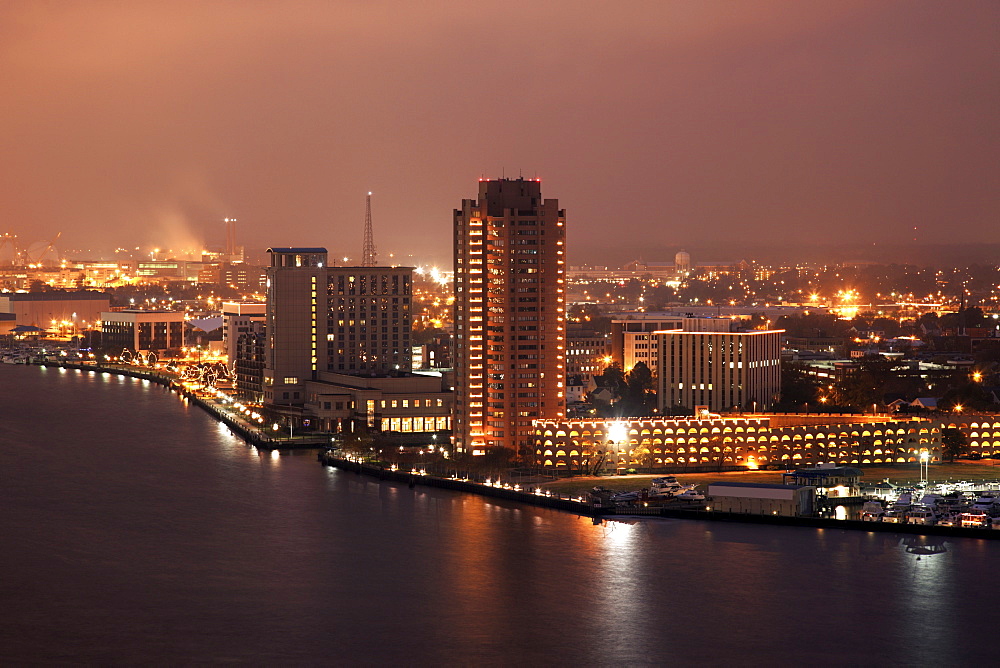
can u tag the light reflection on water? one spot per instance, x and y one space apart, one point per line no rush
134 526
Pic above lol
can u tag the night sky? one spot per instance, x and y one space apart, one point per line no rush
660 124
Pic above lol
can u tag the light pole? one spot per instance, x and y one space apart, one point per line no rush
924 467
616 434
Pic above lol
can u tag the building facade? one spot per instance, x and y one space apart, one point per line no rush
346 320
239 318
724 371
587 353
81 309
738 442
632 339
510 338
248 363
404 405
136 330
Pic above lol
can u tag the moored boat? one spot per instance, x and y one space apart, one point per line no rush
872 511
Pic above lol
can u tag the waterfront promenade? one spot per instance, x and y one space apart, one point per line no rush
257 435
261 439
580 506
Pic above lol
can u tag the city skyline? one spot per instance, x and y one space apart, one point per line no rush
776 120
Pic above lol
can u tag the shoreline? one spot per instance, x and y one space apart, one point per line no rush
326 457
329 459
250 435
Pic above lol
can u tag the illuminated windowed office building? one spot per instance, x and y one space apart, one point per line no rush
335 338
510 319
723 370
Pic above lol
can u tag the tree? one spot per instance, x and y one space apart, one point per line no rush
638 399
970 396
797 389
613 380
953 443
866 384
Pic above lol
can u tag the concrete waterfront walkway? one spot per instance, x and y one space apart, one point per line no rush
259 437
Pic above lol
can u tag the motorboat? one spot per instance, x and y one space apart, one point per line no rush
872 511
921 514
667 486
690 495
975 520
931 500
987 502
897 513
625 497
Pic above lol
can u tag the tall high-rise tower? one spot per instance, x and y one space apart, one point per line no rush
230 236
368 253
510 317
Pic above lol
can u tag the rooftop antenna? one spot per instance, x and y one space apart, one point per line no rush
368 253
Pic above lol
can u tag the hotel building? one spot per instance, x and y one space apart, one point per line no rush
347 320
510 338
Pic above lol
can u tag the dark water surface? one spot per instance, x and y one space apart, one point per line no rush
135 529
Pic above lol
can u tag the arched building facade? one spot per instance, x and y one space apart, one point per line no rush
717 443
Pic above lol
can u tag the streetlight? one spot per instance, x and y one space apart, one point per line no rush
617 433
924 466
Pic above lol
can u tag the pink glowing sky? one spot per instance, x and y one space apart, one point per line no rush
664 123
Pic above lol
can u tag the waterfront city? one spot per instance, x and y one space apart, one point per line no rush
312 353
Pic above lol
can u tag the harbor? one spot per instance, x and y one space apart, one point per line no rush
600 505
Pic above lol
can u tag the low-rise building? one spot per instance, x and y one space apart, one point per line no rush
733 442
829 480
403 404
137 330
755 498
77 309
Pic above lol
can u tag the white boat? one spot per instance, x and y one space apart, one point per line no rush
667 486
988 502
872 511
931 500
625 497
690 495
921 514
897 513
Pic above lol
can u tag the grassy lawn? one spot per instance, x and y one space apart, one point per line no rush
903 473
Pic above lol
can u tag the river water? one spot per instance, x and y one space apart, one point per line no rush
136 529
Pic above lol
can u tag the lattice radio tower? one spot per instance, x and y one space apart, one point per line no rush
368 253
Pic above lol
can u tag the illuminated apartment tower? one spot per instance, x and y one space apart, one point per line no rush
510 319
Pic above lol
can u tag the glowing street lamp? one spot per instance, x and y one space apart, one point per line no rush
617 433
